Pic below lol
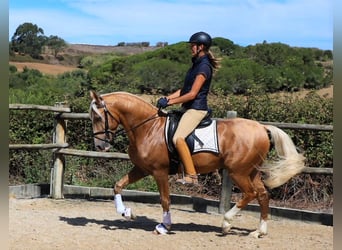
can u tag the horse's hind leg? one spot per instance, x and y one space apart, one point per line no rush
245 185
134 175
263 199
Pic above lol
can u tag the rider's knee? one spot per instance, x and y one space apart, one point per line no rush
175 138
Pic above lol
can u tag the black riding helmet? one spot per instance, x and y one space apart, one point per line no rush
201 38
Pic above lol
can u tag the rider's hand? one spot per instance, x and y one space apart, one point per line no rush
162 102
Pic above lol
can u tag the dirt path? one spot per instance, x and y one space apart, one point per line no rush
80 224
44 68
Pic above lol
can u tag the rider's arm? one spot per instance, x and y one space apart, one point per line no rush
198 83
174 94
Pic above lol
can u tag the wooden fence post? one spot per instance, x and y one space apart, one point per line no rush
57 175
227 185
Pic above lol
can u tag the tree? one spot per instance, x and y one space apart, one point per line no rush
56 44
226 46
28 39
274 54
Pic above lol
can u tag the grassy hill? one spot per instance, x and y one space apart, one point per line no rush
271 67
72 54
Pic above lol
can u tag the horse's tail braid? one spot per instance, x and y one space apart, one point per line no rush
290 161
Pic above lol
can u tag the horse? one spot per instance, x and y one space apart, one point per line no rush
243 143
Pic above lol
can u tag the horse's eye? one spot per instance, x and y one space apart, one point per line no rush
97 119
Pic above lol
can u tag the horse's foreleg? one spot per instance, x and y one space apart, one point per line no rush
134 175
163 186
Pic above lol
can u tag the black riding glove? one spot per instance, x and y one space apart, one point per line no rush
162 102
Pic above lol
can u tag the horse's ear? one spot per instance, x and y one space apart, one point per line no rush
94 96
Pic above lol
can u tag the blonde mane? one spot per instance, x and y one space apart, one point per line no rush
128 94
130 100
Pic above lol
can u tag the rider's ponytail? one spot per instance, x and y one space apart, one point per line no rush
215 62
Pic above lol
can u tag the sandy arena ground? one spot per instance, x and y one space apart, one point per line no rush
81 224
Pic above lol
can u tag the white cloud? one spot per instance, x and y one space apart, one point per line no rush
53 22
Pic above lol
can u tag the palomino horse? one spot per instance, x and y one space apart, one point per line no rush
243 145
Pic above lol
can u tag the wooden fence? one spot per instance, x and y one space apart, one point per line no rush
60 148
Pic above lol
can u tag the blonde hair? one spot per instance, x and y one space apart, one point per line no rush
215 62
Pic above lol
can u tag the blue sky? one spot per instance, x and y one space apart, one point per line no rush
302 23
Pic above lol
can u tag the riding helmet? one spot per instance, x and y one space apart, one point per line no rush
201 38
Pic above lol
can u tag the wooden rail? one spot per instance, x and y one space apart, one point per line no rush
94 154
300 126
40 107
60 148
38 146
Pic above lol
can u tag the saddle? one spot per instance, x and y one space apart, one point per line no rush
171 125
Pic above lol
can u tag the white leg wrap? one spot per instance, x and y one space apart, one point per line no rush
262 231
228 217
120 208
231 213
167 218
164 228
263 227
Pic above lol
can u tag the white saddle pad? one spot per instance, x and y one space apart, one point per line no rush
208 135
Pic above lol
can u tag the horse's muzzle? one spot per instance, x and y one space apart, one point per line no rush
103 147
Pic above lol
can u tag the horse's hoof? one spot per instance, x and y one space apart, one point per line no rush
257 234
162 229
128 215
133 216
155 232
226 226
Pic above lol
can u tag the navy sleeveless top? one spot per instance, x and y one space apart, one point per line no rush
200 65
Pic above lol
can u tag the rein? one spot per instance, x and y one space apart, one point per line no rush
120 131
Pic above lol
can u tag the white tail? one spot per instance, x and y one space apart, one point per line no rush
290 162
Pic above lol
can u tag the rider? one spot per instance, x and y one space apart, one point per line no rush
193 96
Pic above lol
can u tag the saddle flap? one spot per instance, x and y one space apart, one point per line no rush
194 140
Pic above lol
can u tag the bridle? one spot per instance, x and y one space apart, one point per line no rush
106 130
